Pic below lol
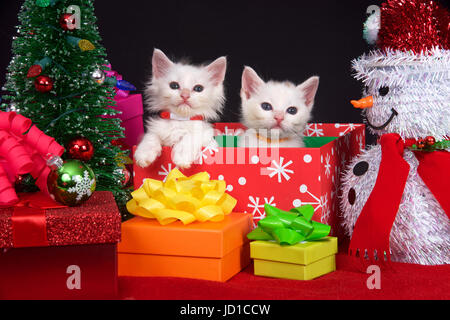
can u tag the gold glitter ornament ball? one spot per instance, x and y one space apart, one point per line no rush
72 183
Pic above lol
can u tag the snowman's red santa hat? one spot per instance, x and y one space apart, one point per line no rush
413 40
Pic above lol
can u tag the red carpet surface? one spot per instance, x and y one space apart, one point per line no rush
400 281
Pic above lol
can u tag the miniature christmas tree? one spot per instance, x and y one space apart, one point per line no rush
56 79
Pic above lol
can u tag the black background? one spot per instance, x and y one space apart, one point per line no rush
280 39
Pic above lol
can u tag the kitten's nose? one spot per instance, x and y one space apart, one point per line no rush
279 117
185 94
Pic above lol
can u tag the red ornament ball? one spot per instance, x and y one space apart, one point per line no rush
80 148
126 176
43 83
67 21
430 140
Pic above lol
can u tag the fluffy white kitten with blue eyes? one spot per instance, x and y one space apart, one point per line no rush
186 97
275 113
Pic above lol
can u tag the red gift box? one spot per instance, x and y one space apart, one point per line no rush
59 253
283 177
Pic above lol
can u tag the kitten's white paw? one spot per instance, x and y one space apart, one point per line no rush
183 155
182 161
144 158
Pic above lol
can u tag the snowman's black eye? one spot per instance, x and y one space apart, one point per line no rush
383 91
366 89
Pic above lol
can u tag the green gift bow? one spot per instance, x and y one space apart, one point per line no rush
289 227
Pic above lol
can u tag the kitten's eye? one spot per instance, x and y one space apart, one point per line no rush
383 91
174 85
291 110
266 106
198 88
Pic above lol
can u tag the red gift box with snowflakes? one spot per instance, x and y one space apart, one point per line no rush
282 177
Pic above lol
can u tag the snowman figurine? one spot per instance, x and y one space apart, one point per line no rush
395 196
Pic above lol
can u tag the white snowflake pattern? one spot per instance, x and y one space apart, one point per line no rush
327 165
359 139
335 184
210 149
232 132
258 208
325 209
82 186
347 127
312 129
165 171
319 202
280 169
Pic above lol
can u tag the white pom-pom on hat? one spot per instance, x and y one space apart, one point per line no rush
372 25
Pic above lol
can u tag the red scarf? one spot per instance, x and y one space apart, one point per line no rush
373 227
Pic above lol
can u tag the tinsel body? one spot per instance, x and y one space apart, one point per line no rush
76 104
421 231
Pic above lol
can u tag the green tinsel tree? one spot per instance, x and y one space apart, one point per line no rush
48 50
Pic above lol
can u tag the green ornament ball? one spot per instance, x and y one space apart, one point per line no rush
71 184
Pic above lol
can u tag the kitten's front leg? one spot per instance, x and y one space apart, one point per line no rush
148 150
186 151
207 137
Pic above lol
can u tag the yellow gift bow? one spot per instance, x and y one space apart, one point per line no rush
182 198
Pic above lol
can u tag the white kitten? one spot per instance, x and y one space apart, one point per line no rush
181 92
276 113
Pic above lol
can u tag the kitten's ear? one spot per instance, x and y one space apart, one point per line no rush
309 89
250 82
217 70
160 63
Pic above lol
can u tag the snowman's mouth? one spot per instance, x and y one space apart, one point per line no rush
384 125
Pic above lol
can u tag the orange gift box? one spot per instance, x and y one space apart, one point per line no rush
200 250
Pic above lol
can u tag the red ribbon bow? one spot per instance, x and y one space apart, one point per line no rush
29 225
22 150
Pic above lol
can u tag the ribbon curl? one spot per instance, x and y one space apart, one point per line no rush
289 227
120 93
22 150
182 198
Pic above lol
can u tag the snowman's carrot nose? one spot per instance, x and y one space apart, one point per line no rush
363 103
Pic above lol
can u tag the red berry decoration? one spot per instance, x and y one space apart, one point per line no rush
421 143
80 148
430 140
43 84
34 71
66 21
126 177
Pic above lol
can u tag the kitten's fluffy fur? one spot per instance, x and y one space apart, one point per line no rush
281 127
186 137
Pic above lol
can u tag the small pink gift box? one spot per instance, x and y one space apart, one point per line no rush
132 111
